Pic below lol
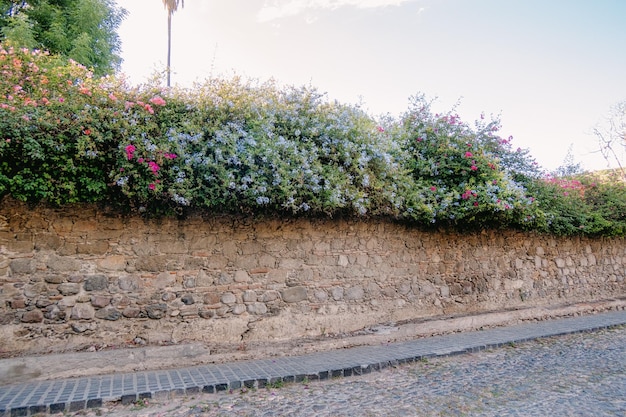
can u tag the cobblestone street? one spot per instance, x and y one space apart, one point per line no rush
580 374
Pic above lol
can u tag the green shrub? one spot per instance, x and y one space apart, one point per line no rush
238 146
585 204
460 176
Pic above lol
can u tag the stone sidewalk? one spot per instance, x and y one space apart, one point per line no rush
90 392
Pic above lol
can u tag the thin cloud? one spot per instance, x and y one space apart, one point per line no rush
279 9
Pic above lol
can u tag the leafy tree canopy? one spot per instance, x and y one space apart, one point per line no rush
82 30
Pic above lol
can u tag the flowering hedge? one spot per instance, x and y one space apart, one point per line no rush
234 146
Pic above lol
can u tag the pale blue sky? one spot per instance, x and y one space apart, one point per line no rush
550 68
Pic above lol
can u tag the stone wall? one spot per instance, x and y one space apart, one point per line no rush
77 277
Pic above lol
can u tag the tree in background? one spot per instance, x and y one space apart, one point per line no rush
83 30
611 136
171 6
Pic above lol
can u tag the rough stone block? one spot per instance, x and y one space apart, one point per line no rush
69 288
35 290
211 298
63 263
257 308
7 318
445 291
83 311
267 261
23 266
177 247
343 260
17 303
251 248
108 313
54 279
228 298
241 276
99 247
96 283
277 275
238 309
43 302
155 263
131 312
290 263
321 295
163 280
270 295
225 279
100 301
66 302
32 316
216 262
246 262
294 294
207 314
355 293
249 296
187 299
20 243
113 263
129 283
47 241
336 293
202 243
53 312
77 278
156 311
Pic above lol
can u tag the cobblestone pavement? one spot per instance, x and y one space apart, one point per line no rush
580 374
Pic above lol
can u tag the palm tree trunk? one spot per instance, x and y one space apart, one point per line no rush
169 47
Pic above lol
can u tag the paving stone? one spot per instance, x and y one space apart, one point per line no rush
580 374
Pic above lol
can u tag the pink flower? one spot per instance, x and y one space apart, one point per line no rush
474 168
87 132
154 167
112 97
468 154
128 105
475 203
61 99
140 160
157 101
130 149
151 186
149 108
380 129
170 156
433 188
